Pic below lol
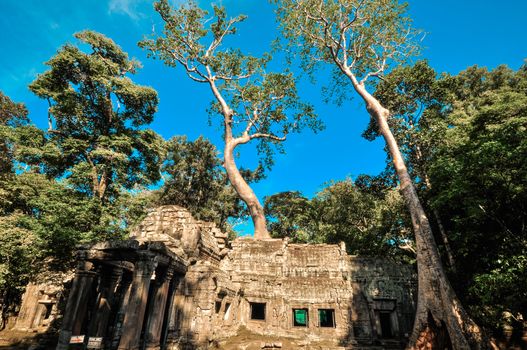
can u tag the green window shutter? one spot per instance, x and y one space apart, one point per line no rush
301 317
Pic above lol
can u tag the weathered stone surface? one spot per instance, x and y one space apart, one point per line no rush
249 294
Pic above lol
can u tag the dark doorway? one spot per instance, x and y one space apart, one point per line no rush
386 324
258 311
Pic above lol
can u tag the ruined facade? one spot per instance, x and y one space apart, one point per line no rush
178 284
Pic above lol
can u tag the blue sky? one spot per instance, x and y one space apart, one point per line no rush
460 33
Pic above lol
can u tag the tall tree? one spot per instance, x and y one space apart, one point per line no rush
415 98
361 40
252 104
97 115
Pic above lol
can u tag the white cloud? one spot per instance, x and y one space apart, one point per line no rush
126 7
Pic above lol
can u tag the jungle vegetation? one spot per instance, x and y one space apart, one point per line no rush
459 141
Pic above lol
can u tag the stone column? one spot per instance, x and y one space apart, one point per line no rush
135 310
77 300
176 308
110 276
157 313
169 309
123 294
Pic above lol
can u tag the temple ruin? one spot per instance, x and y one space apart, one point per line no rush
178 284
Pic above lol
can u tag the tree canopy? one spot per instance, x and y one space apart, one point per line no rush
96 117
371 224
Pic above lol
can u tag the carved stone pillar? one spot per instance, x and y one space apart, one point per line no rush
110 276
135 310
77 301
157 313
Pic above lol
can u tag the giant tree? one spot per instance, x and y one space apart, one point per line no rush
416 100
253 105
361 40
97 115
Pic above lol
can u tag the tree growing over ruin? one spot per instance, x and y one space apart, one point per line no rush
361 40
253 105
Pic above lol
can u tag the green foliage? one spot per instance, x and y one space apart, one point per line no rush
479 180
196 180
368 224
18 251
12 115
97 116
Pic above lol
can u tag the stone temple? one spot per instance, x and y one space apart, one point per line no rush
178 284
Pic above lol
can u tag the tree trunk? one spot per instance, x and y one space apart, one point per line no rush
446 244
245 192
235 178
450 256
440 321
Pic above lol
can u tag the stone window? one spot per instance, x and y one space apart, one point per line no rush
326 318
217 307
257 311
300 317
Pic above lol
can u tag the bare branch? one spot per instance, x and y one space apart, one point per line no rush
268 136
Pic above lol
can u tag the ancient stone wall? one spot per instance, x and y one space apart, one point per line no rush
178 284
40 303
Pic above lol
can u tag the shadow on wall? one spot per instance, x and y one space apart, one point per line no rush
383 306
180 333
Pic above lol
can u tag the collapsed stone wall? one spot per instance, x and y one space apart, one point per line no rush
177 229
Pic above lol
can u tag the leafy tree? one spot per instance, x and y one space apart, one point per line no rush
18 254
479 181
97 140
361 40
65 186
11 115
368 224
196 180
251 103
292 215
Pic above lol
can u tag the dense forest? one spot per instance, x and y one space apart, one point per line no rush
93 173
